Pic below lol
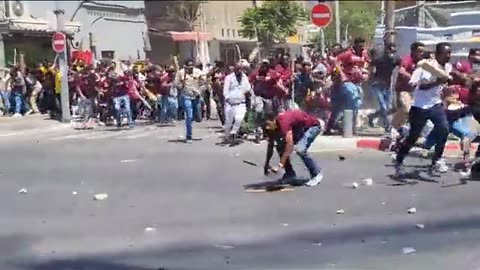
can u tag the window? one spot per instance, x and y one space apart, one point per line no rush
223 32
228 32
108 54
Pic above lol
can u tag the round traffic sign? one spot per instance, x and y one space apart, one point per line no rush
58 42
321 15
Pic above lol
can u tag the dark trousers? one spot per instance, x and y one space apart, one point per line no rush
206 100
476 115
418 118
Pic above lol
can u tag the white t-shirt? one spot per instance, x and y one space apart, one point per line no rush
426 99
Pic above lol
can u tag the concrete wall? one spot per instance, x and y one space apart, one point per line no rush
119 35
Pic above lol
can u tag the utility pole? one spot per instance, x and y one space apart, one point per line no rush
337 21
390 21
62 64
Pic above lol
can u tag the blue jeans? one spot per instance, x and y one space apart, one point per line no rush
117 101
302 147
190 107
459 128
384 98
17 99
353 99
169 108
5 96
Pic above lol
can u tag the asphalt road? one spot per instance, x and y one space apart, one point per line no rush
193 198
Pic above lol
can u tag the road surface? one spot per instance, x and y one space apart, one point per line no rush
192 198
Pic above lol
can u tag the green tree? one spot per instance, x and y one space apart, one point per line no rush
273 22
358 19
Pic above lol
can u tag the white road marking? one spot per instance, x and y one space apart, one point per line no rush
10 134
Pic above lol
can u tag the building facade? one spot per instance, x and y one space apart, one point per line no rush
111 29
220 20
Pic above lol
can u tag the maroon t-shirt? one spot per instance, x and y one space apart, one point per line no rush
297 121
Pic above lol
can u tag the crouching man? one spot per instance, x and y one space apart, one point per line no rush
299 131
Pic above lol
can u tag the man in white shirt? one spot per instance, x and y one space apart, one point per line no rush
235 89
428 105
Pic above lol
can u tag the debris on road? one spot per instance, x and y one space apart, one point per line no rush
250 163
317 244
412 210
367 181
23 191
223 246
354 185
408 250
340 212
150 229
420 226
341 158
100 196
383 203
237 155
74 193
284 224
127 160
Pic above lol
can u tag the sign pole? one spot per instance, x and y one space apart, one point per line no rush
62 63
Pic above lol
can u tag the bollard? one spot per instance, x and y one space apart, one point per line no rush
347 123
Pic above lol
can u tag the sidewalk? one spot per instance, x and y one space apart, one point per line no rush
338 143
28 124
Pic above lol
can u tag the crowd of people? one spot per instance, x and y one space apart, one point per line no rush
287 101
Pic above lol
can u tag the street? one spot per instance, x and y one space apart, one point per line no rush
191 197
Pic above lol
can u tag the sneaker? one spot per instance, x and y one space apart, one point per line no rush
440 166
189 140
29 112
17 115
315 180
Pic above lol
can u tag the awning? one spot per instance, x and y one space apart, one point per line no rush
190 36
35 26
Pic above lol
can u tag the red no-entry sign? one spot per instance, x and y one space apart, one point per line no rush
321 15
58 42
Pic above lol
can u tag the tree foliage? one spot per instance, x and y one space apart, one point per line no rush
273 21
360 17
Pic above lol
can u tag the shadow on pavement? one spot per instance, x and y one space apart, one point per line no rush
259 252
83 264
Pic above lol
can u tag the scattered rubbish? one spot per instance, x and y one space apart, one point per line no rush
74 193
23 191
340 212
354 185
341 158
317 244
250 163
127 160
150 229
224 246
284 224
412 210
408 250
383 203
237 155
420 226
393 156
367 181
384 242
100 196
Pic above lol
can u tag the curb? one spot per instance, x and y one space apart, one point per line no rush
376 144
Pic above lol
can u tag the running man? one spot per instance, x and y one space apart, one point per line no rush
298 129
